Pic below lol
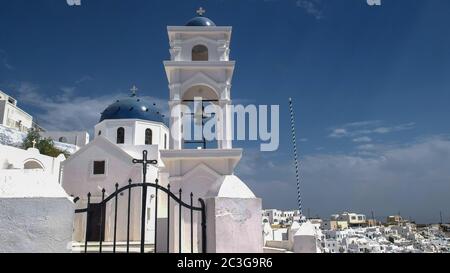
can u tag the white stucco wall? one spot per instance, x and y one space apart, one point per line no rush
36 214
134 131
36 225
305 239
14 163
183 39
234 225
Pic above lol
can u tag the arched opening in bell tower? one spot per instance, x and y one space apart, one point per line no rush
200 53
197 98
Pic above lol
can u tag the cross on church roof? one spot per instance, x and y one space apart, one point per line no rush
133 90
201 11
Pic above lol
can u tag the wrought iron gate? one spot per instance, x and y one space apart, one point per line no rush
171 197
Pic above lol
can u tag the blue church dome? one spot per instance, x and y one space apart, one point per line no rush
132 107
200 21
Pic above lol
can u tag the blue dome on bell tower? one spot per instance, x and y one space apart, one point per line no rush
200 21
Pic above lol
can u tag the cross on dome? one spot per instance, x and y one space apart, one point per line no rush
133 90
201 11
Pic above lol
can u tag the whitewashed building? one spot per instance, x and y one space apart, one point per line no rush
353 219
12 116
127 127
76 138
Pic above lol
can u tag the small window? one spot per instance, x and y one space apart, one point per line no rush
148 137
99 167
121 135
165 141
100 132
63 139
199 53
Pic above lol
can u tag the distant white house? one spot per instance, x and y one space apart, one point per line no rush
275 216
353 219
15 124
12 116
77 138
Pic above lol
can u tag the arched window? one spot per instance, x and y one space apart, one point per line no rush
33 165
100 132
165 141
121 135
199 53
62 139
148 137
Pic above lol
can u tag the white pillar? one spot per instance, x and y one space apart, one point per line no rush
224 126
176 125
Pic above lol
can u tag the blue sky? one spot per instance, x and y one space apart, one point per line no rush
370 84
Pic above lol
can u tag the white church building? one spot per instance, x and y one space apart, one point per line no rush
127 127
199 67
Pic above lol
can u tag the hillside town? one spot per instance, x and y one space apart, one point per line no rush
351 233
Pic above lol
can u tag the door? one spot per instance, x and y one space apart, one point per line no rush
94 223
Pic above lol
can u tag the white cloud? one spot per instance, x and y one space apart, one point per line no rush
362 139
364 123
338 132
311 7
413 178
366 147
66 111
83 79
364 128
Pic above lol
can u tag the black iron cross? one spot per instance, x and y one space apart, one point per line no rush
145 162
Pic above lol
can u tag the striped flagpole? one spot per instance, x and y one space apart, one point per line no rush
297 173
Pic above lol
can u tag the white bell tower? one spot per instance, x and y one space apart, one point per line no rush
200 67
